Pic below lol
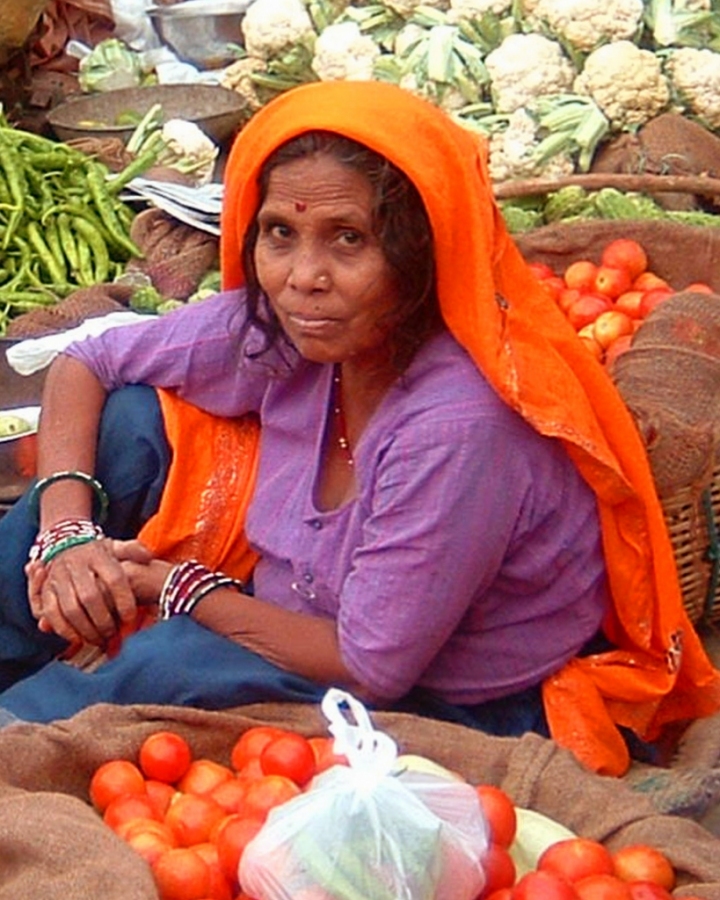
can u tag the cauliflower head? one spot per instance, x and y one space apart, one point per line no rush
695 79
238 77
271 26
511 152
443 95
627 83
588 23
476 9
406 8
344 53
526 66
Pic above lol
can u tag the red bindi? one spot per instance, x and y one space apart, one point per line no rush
300 206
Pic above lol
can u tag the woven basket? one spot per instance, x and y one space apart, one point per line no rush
694 525
678 253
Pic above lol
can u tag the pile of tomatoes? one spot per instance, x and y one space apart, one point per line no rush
606 302
574 868
191 817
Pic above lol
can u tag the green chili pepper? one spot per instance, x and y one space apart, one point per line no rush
45 254
11 164
98 248
140 164
67 242
105 207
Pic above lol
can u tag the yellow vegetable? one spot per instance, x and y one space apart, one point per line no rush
11 424
535 833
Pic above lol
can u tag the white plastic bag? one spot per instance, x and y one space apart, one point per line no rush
369 830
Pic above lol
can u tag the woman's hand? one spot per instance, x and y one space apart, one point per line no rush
83 594
145 574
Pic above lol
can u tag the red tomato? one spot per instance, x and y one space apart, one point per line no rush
325 755
499 812
234 834
165 756
580 275
641 862
652 299
555 286
611 325
250 743
263 794
203 775
629 303
543 886
576 858
126 807
586 309
113 779
648 890
699 287
541 270
499 869
161 795
290 755
229 794
181 874
192 817
648 281
612 282
625 253
602 887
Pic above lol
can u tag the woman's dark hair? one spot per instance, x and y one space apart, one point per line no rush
400 223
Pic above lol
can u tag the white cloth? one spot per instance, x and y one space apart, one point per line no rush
33 354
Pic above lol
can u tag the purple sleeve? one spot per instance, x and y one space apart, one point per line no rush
197 349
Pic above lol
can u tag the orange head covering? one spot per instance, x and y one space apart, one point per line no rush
523 344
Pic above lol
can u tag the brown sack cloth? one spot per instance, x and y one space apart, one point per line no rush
677 252
52 845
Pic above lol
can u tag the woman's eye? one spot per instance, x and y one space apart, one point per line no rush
350 237
275 230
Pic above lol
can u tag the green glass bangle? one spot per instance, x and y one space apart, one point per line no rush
66 544
44 483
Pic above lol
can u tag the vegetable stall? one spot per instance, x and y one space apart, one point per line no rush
602 123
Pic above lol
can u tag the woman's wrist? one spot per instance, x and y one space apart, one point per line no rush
63 535
187 584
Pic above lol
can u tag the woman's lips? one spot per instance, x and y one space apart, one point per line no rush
311 324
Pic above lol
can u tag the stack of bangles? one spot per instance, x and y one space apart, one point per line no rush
71 532
187 584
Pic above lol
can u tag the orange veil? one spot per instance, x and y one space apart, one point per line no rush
523 344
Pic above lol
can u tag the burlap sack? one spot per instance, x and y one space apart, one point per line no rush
53 846
670 380
676 252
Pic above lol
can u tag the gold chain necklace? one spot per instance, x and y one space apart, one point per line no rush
339 415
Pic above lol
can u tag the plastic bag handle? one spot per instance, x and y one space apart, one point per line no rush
364 747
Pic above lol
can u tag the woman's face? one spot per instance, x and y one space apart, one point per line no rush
319 263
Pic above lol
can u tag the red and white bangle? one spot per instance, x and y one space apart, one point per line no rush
62 536
186 585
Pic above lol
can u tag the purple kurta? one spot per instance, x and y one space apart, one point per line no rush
470 561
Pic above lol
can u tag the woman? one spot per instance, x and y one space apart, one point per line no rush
430 426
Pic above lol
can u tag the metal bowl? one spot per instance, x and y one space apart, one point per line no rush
18 455
218 111
203 38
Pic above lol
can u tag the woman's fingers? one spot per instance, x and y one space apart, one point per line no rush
86 593
131 551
